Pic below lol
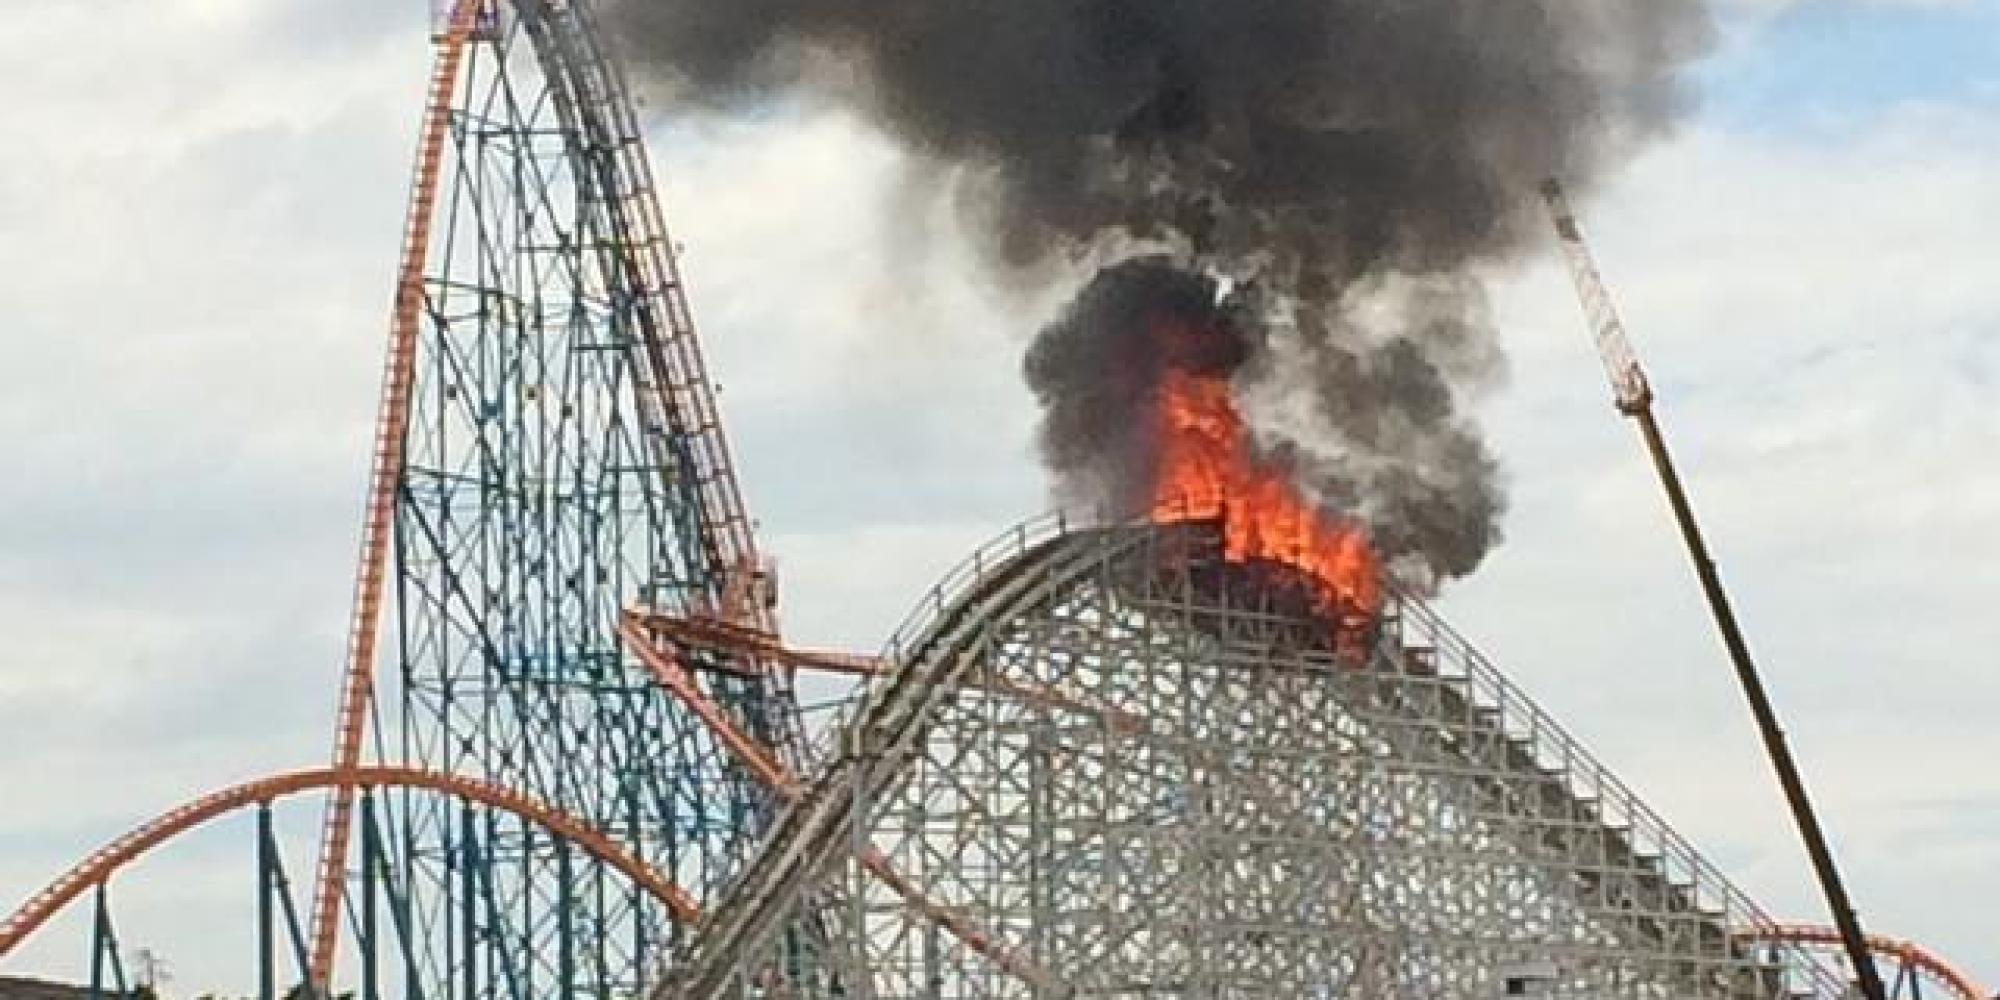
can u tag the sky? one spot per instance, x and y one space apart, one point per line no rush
199 206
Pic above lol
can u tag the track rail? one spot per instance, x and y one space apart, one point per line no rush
1909 954
384 475
764 648
100 865
874 743
759 761
597 104
675 391
669 674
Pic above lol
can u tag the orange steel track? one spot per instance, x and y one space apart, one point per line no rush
99 866
1909 954
391 421
669 674
763 646
768 770
703 630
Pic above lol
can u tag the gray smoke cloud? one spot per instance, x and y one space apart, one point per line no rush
1353 164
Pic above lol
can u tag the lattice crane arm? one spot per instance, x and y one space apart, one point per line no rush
1629 387
1634 397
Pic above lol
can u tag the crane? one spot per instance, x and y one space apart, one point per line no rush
1633 395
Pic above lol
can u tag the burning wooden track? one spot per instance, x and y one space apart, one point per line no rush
1293 813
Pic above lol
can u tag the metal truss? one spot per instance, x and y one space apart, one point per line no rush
1288 819
562 460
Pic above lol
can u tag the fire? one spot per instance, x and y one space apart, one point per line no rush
1207 472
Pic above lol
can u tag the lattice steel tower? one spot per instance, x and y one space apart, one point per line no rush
549 455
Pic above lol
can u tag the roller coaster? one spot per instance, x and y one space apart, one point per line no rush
1099 758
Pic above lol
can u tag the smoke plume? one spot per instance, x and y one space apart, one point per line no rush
1329 177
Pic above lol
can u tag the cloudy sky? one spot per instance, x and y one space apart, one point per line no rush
199 203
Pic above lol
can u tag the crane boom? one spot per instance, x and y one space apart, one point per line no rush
1633 396
1621 363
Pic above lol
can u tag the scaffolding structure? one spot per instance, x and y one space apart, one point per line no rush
1285 821
562 460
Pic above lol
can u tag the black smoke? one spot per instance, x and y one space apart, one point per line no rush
1354 163
1097 370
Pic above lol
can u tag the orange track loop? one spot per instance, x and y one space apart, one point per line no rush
759 761
390 424
763 646
99 866
1909 953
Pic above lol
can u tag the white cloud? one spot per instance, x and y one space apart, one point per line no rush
195 220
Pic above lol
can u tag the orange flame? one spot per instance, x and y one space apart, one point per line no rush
1207 472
